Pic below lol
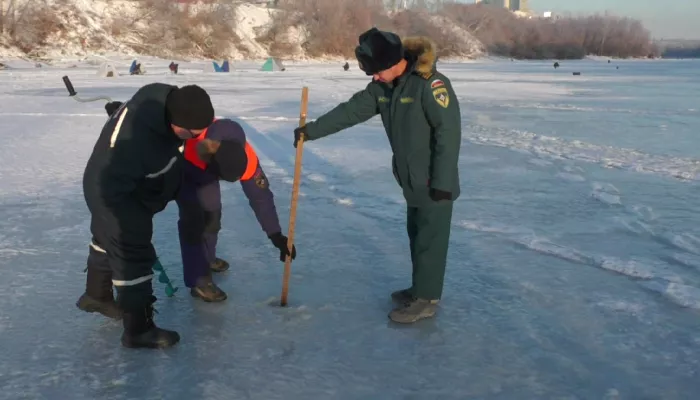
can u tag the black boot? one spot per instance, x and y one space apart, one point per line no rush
98 296
141 332
107 308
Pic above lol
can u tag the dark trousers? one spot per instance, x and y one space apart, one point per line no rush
121 254
198 229
429 235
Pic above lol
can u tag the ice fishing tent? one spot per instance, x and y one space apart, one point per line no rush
272 64
215 67
107 70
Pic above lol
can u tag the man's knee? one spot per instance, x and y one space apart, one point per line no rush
97 257
195 221
212 222
191 223
132 276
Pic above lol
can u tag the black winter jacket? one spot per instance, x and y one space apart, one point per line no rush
136 158
134 171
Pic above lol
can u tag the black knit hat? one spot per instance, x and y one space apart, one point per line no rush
230 161
378 50
189 107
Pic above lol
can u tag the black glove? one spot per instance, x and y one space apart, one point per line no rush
298 132
437 195
112 107
280 241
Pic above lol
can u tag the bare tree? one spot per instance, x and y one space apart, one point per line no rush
570 37
331 27
163 28
29 24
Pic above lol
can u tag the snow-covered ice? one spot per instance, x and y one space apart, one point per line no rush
574 267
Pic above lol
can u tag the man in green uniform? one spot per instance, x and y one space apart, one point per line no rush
421 116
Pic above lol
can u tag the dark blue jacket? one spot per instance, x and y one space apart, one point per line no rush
202 186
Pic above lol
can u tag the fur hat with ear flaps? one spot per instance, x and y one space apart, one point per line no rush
378 51
225 158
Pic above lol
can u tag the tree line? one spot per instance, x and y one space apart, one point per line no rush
332 27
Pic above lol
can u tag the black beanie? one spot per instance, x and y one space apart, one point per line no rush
378 50
230 161
189 107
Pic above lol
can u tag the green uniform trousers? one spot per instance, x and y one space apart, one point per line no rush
429 235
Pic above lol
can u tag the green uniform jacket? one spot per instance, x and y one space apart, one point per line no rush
422 119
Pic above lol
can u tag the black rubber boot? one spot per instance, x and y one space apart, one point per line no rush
219 265
107 308
140 331
98 296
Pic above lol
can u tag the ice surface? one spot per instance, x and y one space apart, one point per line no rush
574 266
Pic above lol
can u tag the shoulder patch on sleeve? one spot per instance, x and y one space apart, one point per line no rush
261 180
436 83
441 96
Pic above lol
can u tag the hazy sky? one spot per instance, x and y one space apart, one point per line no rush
669 19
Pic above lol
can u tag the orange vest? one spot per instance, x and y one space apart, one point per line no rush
192 156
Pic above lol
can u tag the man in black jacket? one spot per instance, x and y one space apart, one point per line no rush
134 171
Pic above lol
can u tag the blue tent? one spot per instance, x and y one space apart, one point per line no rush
223 68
